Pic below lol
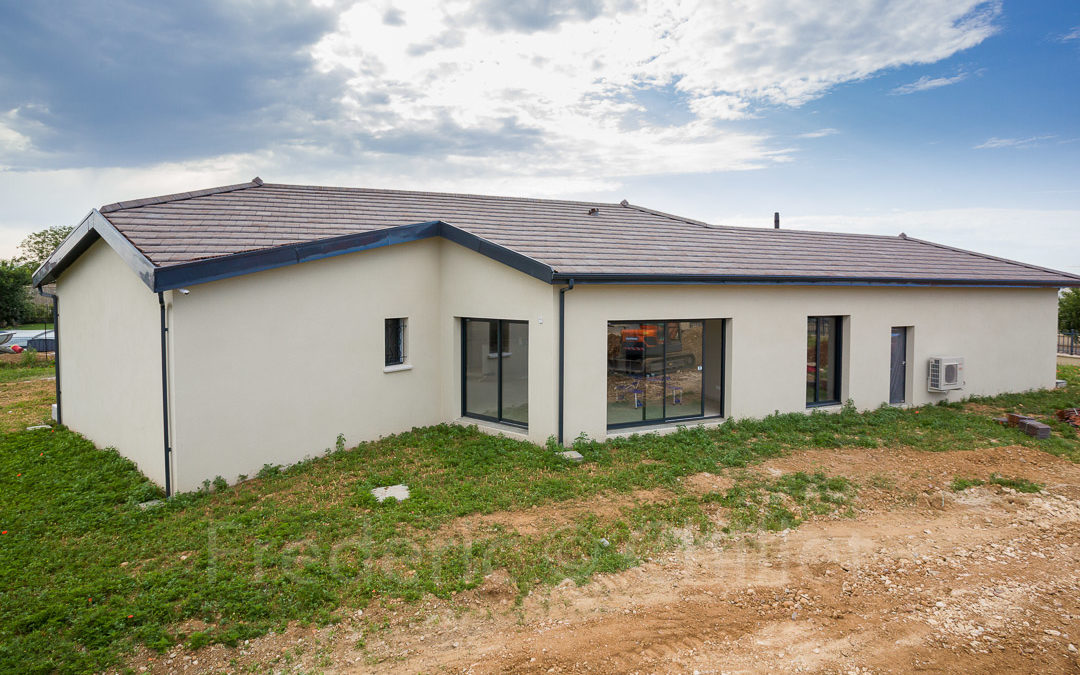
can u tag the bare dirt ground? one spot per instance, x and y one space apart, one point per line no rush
922 579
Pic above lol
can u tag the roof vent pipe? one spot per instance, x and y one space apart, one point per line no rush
776 220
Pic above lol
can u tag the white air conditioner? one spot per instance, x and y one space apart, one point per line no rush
946 373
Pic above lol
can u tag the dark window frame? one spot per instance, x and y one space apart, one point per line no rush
723 372
394 341
837 360
499 340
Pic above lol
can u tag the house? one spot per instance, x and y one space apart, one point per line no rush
208 333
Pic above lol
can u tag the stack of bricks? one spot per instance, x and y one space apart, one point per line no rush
1026 424
1070 415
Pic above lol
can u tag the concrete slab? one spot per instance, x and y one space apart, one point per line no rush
38 426
398 492
572 455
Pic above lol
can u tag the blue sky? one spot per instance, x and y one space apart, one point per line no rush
951 120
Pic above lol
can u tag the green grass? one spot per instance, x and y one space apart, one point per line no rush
88 575
960 484
26 366
761 504
31 326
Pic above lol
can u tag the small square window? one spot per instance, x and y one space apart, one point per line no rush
395 342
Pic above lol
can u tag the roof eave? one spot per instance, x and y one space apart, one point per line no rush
804 280
89 230
238 264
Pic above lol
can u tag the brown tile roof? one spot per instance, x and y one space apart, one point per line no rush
616 239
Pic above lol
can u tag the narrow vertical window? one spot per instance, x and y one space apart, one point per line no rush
395 342
822 360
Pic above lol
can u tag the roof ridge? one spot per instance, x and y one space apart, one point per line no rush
179 196
441 194
989 257
750 228
664 214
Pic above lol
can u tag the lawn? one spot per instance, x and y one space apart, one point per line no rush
32 326
89 575
27 391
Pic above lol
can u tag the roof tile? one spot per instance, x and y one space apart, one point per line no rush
620 238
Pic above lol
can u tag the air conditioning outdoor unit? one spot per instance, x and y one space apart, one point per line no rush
946 373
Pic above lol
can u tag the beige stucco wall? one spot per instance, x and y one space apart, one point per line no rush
474 286
110 365
1006 337
270 367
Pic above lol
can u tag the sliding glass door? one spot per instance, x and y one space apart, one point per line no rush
495 370
657 371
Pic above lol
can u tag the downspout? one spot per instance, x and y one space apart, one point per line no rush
56 339
562 350
165 395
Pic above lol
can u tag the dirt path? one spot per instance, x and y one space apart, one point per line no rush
923 579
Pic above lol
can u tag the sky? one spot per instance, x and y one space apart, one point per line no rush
956 121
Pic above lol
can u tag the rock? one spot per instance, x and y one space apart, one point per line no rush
399 492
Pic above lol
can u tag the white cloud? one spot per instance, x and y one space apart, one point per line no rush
820 133
926 82
995 142
12 141
482 96
15 141
1074 34
573 77
1048 238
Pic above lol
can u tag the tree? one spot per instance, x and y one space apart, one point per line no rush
14 296
36 248
1069 310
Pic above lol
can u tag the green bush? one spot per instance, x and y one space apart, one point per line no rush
14 297
1069 310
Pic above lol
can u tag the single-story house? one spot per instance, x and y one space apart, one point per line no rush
208 333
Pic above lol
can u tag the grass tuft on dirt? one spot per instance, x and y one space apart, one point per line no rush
960 484
89 575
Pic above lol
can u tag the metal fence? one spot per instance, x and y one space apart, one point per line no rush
1069 343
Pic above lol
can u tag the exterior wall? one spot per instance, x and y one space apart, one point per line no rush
1006 337
270 367
475 286
110 366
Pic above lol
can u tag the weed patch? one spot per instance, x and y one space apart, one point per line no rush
959 484
762 504
89 575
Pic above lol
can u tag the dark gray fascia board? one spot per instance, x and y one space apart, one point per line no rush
92 227
701 279
169 277
518 261
214 269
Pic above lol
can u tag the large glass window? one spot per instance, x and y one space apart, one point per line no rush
495 370
822 360
657 371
